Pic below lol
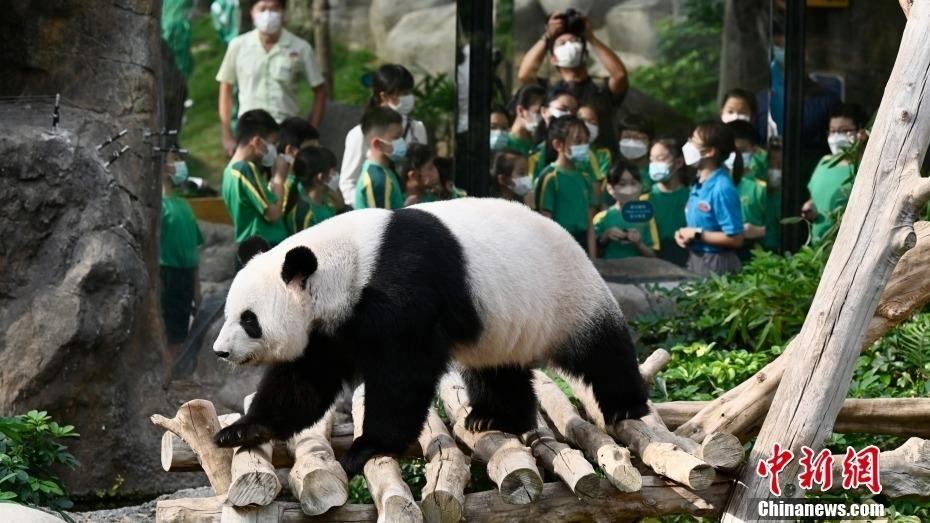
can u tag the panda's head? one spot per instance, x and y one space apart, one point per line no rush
268 309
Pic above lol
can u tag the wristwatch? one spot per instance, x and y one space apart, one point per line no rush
699 235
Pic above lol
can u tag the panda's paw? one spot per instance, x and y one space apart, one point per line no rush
477 422
631 411
354 459
242 434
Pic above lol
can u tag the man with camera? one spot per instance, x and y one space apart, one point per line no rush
568 38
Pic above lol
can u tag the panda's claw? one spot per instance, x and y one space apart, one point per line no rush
242 434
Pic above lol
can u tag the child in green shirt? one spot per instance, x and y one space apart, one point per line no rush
419 174
378 185
525 108
317 196
752 189
295 134
510 178
255 208
618 237
669 196
565 194
178 259
599 157
827 183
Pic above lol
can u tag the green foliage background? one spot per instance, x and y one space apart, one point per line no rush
686 74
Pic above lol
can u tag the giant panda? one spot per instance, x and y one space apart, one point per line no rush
393 297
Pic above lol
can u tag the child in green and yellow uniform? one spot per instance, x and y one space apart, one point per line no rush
599 157
255 208
559 102
510 179
525 110
565 194
177 259
635 132
419 174
752 189
378 186
668 196
828 183
295 134
618 237
317 196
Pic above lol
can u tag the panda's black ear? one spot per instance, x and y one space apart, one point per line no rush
300 263
251 247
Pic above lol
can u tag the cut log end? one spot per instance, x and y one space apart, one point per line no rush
521 486
442 507
614 460
400 509
321 491
254 488
722 451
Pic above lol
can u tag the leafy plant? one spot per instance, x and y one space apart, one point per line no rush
29 450
761 306
702 371
685 73
436 106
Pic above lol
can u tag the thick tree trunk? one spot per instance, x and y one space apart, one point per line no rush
196 422
877 229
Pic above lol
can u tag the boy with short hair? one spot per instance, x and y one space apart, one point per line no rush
177 258
378 186
256 209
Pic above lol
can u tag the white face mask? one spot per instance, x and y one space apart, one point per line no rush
558 113
732 117
660 171
268 22
404 104
593 131
838 142
522 185
692 154
287 158
633 149
730 161
498 139
568 54
531 121
333 182
775 178
271 154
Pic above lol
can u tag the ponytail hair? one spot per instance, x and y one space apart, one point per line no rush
716 134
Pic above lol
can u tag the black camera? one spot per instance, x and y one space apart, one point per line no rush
574 22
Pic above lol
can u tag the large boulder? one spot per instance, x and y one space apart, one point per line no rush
632 26
82 335
385 15
423 40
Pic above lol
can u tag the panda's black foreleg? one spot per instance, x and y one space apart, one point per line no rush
606 360
290 397
502 398
399 386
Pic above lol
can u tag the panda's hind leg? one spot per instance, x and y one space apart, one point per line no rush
502 398
604 357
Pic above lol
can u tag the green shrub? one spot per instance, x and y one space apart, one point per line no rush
761 306
29 450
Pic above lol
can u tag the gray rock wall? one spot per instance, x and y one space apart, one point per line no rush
80 329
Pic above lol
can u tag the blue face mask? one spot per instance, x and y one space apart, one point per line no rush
498 139
778 54
180 173
660 171
399 150
579 153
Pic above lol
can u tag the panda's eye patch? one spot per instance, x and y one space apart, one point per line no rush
249 322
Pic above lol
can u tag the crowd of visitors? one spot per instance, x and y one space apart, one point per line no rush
703 201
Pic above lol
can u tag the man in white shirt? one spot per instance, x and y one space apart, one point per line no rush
266 64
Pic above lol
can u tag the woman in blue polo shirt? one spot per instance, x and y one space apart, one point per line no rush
715 224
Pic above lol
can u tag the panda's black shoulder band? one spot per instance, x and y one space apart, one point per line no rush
299 262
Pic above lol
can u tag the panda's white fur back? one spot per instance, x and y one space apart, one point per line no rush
533 284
